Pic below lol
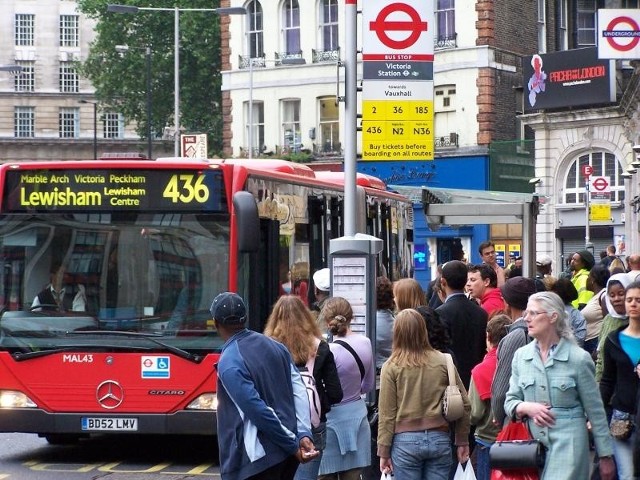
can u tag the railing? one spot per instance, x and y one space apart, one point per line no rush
450 140
320 56
284 56
327 150
246 61
445 41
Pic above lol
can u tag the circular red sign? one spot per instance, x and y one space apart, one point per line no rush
612 40
381 26
600 184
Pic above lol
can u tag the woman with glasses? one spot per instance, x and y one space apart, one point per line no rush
552 388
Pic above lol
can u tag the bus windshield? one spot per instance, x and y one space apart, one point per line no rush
111 281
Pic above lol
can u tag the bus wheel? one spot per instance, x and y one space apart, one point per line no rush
62 438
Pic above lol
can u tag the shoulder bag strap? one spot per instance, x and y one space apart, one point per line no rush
450 370
312 359
355 355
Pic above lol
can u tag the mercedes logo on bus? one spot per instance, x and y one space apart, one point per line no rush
109 394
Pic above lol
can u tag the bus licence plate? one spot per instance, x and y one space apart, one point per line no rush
110 424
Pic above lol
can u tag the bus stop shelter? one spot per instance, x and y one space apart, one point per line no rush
446 206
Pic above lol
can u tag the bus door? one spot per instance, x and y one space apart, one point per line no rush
319 236
264 274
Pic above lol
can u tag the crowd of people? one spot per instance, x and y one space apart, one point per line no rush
532 350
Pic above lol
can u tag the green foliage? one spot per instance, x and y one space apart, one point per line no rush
121 81
298 157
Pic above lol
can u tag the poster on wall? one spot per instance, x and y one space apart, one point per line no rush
569 78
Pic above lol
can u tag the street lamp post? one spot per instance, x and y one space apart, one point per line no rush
147 52
95 127
176 46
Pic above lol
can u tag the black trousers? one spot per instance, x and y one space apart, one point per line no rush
284 470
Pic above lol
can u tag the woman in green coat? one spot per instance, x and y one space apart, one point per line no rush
553 388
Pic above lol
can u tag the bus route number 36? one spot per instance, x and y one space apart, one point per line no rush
186 188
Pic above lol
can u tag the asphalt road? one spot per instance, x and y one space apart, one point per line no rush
27 457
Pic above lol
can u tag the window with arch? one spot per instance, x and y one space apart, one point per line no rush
604 165
291 26
329 24
255 30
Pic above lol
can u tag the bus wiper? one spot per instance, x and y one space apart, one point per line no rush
170 348
21 356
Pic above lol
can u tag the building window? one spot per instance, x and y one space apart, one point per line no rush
604 165
586 23
68 30
68 78
329 25
444 105
445 20
25 80
68 122
542 27
256 42
24 119
25 28
329 140
113 125
291 136
563 30
291 22
256 123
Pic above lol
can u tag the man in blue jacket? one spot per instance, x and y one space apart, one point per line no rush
264 428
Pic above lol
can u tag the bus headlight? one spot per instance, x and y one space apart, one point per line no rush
206 401
15 399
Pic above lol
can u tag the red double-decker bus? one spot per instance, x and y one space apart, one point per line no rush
109 268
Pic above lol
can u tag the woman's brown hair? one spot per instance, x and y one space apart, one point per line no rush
411 345
408 293
292 324
337 314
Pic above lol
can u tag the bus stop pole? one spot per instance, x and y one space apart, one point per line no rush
587 239
351 117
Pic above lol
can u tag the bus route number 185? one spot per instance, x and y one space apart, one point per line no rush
186 188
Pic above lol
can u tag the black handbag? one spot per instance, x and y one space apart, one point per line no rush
517 454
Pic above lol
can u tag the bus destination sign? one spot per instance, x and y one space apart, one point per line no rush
113 190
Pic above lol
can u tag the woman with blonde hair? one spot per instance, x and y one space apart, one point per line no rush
413 436
408 293
348 433
292 324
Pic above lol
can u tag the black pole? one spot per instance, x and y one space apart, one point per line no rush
149 142
95 131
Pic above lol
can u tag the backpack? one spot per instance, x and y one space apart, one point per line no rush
312 392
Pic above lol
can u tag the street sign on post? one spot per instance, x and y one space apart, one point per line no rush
587 170
599 188
397 90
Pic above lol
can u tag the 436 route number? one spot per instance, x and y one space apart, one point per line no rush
186 188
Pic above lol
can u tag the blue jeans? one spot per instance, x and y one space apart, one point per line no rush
424 455
483 470
623 453
309 470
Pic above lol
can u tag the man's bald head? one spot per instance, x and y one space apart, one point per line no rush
634 262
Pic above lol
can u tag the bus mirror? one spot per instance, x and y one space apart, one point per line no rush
247 222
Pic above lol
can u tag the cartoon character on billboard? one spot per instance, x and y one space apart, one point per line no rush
536 82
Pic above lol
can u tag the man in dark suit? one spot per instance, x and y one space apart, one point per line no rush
465 320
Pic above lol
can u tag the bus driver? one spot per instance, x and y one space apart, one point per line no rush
52 297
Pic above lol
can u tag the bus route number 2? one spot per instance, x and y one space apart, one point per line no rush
186 188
